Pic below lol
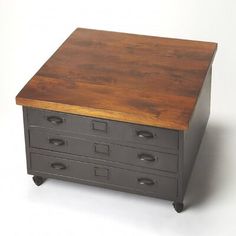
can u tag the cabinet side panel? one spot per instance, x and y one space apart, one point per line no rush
193 136
25 116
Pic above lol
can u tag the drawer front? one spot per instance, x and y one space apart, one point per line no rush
44 139
165 186
125 132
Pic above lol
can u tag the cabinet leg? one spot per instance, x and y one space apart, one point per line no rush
38 180
179 206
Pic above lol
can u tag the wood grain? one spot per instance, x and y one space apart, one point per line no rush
133 78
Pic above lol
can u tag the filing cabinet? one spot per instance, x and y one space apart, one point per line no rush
119 111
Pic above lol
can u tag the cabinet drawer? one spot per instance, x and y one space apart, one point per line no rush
165 186
44 139
124 132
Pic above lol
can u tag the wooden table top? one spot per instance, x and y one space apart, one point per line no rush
125 77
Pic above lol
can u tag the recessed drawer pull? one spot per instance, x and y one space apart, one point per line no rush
56 120
57 142
144 134
146 157
58 166
145 181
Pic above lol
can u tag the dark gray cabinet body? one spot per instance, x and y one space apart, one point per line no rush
135 158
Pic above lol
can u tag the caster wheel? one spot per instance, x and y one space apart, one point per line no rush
178 206
38 180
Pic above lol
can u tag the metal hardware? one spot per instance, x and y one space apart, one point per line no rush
145 181
144 134
58 166
57 142
146 157
56 120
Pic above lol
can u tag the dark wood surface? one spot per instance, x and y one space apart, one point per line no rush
133 78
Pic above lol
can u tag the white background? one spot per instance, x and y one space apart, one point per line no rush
30 31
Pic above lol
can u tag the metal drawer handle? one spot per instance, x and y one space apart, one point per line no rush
56 120
145 181
58 166
57 142
146 157
144 134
